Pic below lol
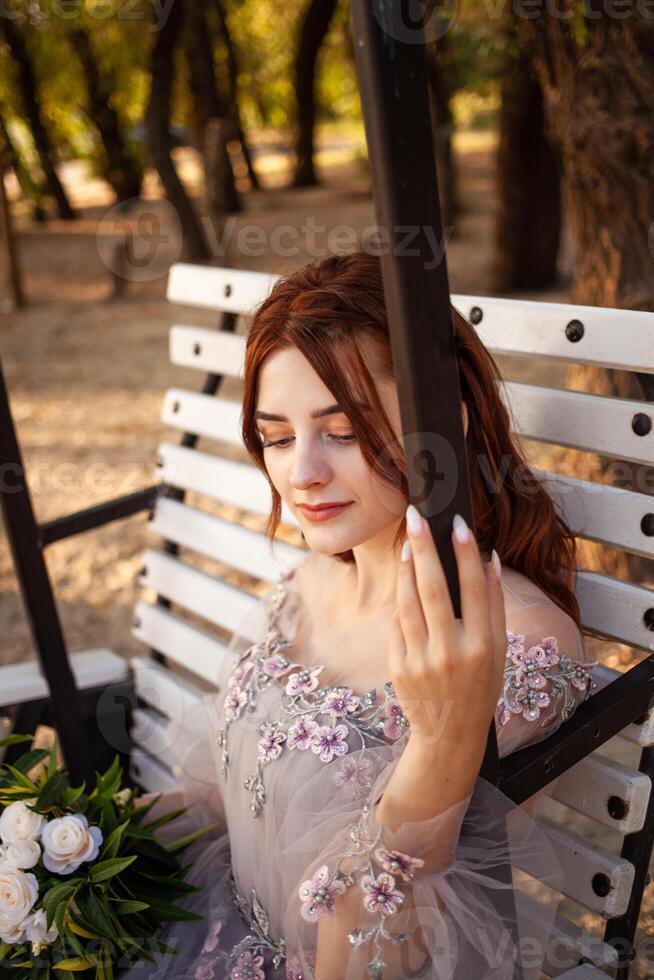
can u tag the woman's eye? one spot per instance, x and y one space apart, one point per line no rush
281 443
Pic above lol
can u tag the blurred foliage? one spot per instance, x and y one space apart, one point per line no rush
265 37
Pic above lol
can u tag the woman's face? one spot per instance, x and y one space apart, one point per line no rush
315 457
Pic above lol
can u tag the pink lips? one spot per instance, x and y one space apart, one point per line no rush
324 513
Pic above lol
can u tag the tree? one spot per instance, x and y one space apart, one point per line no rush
313 29
27 86
232 67
528 224
158 134
596 72
211 119
122 169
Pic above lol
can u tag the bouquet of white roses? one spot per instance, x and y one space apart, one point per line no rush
84 883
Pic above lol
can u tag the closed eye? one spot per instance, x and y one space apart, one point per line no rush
282 443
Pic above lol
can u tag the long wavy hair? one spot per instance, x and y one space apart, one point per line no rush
324 309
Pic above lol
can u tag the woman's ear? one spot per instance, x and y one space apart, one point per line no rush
464 412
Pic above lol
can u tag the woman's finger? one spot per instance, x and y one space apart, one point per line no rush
475 613
497 613
409 607
431 583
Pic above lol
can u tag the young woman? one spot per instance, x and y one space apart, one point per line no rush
355 837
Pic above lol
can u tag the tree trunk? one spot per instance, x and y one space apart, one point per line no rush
528 223
30 190
209 110
442 127
9 265
158 136
26 80
232 67
315 25
597 79
122 170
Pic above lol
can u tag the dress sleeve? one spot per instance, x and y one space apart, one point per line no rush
360 903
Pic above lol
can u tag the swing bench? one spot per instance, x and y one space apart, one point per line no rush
187 627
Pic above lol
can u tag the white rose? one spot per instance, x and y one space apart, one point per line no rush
21 853
18 893
19 823
68 841
35 928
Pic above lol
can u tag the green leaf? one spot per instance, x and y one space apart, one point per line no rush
30 759
75 964
56 895
140 812
15 739
168 912
166 818
21 778
107 869
126 907
55 786
112 843
96 916
183 842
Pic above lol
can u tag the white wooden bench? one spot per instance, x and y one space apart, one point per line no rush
198 603
612 794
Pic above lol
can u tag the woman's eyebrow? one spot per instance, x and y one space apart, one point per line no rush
317 414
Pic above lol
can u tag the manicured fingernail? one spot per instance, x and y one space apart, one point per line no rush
497 564
413 520
406 551
461 529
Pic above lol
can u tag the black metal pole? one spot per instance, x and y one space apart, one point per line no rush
392 71
23 534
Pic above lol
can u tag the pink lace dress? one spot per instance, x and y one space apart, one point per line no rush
289 765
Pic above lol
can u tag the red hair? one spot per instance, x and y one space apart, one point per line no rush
324 309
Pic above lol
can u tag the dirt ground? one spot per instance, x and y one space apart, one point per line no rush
87 374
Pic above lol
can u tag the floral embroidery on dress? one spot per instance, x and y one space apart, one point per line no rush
528 673
303 700
380 894
532 679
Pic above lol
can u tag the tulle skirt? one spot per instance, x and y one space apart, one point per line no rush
224 944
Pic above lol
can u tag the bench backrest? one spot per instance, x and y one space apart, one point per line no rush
218 528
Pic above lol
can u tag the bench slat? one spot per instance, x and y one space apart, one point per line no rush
240 484
151 775
588 787
237 546
600 512
612 338
580 862
591 423
91 668
181 641
615 609
219 603
214 288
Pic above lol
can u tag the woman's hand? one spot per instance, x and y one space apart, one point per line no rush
447 672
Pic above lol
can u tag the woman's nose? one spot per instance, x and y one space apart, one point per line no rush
308 466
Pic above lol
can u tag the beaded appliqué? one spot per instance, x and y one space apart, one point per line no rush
528 672
380 896
303 700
